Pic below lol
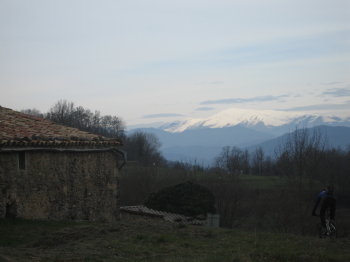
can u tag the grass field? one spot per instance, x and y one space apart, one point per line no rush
263 203
261 182
148 239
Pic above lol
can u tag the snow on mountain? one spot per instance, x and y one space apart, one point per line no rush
254 118
202 139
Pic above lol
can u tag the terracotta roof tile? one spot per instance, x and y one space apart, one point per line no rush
171 217
19 129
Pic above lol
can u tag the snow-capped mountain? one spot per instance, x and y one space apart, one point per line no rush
259 119
202 139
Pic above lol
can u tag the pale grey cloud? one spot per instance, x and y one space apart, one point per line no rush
103 53
217 83
332 83
320 107
243 100
204 108
162 115
339 92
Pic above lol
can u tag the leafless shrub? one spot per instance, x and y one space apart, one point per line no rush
300 156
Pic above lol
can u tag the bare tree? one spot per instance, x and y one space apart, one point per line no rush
258 160
65 113
233 160
33 112
144 148
301 154
62 112
223 159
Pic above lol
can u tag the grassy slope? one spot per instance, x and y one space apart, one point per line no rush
263 182
145 239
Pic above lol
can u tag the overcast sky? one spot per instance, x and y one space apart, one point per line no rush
162 60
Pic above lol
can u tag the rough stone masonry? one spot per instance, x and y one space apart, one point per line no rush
50 171
59 185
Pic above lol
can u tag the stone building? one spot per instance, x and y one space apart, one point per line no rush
50 171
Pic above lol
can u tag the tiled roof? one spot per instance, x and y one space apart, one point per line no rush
171 217
19 129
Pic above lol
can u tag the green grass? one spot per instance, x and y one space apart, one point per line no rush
146 239
19 231
263 182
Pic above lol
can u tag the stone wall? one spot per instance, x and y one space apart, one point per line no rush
59 186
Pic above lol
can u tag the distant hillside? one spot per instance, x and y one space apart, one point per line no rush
202 145
209 137
335 136
201 155
202 139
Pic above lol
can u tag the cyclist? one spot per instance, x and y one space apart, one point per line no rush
327 202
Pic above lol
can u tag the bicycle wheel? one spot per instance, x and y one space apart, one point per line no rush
322 231
332 230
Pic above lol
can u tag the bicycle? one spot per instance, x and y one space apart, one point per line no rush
330 229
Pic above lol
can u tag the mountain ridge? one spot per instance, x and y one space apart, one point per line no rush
267 119
202 139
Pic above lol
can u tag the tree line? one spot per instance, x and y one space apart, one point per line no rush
66 113
303 162
280 195
304 158
140 146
